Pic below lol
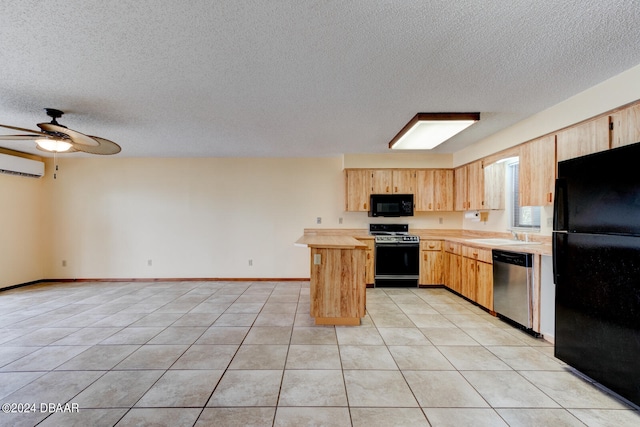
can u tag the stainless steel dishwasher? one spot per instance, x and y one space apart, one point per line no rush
513 286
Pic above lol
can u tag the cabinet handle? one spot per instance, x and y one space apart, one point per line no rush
432 246
429 205
550 197
438 206
387 188
396 189
365 206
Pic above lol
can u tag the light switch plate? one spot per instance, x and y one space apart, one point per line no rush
317 259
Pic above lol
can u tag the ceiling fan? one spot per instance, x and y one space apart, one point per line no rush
56 138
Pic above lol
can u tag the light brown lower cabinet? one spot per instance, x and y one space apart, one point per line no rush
431 262
369 261
477 276
453 266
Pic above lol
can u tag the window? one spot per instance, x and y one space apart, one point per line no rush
526 218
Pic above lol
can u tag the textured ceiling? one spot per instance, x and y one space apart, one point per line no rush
296 78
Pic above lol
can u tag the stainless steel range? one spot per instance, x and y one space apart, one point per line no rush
397 255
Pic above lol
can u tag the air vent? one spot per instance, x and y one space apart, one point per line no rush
14 165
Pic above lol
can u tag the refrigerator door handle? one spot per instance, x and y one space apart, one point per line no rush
560 206
558 250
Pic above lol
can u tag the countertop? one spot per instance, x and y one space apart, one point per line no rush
339 238
332 241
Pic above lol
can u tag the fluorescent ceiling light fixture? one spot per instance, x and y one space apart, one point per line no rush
53 145
428 130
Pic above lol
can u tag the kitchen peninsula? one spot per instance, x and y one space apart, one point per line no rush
338 287
446 259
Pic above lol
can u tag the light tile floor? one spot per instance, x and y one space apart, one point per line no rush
248 354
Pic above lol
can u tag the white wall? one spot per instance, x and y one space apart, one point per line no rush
195 218
398 159
22 244
191 217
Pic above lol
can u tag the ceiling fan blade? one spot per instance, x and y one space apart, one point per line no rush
19 137
76 137
25 130
104 147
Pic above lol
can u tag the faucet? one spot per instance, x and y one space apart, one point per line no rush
515 235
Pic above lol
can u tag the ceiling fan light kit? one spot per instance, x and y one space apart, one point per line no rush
53 145
56 138
428 130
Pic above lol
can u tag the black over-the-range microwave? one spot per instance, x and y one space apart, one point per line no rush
391 205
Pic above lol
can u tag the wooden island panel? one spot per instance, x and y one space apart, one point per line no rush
337 279
338 286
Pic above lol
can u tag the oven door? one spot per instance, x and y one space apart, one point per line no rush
397 261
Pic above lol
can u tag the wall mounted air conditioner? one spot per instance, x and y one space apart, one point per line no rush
14 165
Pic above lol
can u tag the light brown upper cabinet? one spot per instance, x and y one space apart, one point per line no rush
585 138
393 181
537 171
443 190
358 189
404 181
476 185
461 188
625 126
434 190
382 181
494 185
469 184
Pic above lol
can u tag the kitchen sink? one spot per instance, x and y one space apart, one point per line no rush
501 242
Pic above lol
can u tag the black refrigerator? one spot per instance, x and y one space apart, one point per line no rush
596 263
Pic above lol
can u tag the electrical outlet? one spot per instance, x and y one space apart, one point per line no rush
64 262
340 220
250 263
149 262
318 220
440 220
317 259
550 222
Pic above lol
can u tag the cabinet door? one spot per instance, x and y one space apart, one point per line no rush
586 138
425 184
626 126
461 192
475 180
469 275
431 268
453 270
381 181
537 172
484 284
369 261
443 190
404 181
494 185
358 190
